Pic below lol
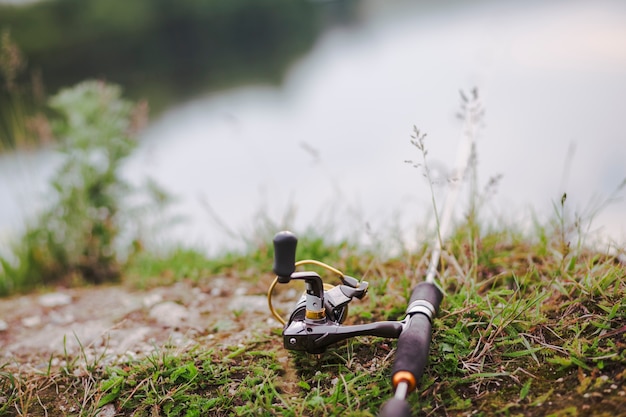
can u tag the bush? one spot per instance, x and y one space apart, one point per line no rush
75 237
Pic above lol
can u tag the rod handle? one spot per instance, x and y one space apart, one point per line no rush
414 341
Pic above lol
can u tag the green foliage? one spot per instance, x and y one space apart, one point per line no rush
8 386
76 235
195 383
150 268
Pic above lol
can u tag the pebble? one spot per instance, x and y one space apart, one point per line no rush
106 411
31 321
251 303
3 326
64 318
54 299
241 291
152 299
169 313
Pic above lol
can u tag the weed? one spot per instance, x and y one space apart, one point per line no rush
150 268
76 238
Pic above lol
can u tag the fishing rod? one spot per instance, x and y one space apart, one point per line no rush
317 319
414 341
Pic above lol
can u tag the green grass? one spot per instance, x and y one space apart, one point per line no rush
524 329
150 268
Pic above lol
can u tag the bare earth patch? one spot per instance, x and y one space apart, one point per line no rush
114 322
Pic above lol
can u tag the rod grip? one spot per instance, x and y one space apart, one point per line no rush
414 341
427 291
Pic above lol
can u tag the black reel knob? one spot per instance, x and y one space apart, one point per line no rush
284 255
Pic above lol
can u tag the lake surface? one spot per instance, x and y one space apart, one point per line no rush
330 144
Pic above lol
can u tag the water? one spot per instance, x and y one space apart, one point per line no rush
331 142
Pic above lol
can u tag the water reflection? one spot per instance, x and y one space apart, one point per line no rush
332 140
337 133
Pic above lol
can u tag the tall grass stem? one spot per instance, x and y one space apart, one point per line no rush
464 154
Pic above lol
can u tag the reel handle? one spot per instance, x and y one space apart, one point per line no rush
284 255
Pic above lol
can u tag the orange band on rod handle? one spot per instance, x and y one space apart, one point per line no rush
404 376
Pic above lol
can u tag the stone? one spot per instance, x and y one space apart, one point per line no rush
249 303
152 299
169 313
106 411
54 299
31 321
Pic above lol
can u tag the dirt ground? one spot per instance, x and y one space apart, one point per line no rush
109 323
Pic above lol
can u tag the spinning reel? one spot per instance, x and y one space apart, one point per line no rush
316 321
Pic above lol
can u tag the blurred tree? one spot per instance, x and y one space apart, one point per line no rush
163 50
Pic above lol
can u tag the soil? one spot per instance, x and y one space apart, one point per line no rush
114 322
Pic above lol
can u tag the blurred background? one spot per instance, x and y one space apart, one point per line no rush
301 112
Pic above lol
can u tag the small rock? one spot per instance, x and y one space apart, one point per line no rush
241 291
54 299
152 299
292 294
169 313
251 303
272 322
64 318
3 326
106 411
31 321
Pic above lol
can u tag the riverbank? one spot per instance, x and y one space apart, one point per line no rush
526 328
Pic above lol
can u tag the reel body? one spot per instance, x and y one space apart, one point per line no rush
335 310
317 319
